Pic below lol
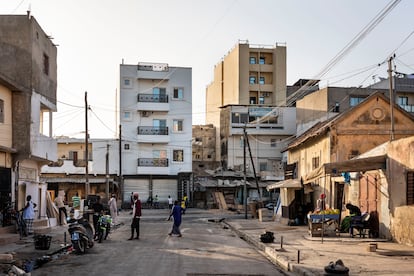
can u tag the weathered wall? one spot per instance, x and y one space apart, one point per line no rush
401 160
403 225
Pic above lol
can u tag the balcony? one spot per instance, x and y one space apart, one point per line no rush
150 134
407 107
152 102
67 167
157 166
152 162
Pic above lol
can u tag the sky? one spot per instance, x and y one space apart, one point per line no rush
95 36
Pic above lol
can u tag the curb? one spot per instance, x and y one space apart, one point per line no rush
279 259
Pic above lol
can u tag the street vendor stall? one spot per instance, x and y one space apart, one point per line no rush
323 224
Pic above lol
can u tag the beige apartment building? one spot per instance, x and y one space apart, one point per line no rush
247 75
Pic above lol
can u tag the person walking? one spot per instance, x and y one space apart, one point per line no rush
113 208
136 216
170 203
62 209
29 215
156 202
98 209
176 213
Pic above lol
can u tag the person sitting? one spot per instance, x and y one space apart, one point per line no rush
346 222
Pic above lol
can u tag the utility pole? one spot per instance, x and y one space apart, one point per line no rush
120 180
87 189
107 171
390 77
244 171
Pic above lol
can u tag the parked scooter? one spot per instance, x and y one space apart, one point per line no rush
103 227
81 234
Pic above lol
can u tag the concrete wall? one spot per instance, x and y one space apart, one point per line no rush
401 160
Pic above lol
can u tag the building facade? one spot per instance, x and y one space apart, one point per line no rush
247 75
266 139
68 173
341 139
156 123
28 81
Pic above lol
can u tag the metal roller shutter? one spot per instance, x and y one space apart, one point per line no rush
164 188
141 186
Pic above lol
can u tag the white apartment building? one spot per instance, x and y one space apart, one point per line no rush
156 130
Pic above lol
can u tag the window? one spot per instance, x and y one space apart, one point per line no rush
354 100
199 139
262 80
253 100
410 188
261 100
178 155
126 147
263 166
252 60
127 115
273 143
239 118
252 79
178 125
158 91
402 100
46 64
156 123
159 154
127 82
315 162
178 93
261 60
1 111
73 155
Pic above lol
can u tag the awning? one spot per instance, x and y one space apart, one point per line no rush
74 180
353 165
288 183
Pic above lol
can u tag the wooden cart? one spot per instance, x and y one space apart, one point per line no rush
329 224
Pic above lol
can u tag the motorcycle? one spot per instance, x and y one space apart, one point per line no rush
81 234
103 228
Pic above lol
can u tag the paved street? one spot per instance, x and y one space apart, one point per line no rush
206 248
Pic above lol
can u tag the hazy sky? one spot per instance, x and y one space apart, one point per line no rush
94 36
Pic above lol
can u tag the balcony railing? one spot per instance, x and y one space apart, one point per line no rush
152 162
146 130
152 98
407 107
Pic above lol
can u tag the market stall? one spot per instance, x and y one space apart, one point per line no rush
328 224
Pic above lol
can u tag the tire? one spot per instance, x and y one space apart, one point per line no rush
79 246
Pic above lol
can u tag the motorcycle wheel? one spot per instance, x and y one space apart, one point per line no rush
79 246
